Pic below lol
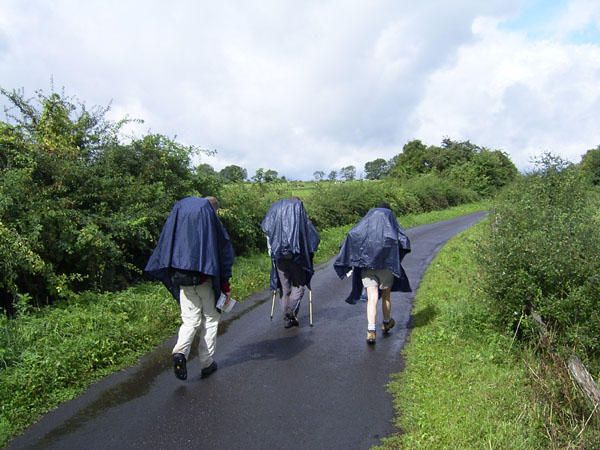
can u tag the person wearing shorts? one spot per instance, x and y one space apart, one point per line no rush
378 281
372 252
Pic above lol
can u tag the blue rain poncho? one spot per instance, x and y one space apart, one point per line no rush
290 234
192 239
376 242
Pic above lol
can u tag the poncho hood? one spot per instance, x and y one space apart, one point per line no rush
193 239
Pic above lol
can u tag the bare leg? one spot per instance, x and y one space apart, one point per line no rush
372 298
386 304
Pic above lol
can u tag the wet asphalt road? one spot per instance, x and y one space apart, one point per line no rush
317 387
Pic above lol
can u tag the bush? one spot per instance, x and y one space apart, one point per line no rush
242 209
78 208
543 254
336 204
435 192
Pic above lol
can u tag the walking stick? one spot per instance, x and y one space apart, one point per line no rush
273 304
310 306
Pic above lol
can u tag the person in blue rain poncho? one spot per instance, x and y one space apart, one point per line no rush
193 258
373 251
292 240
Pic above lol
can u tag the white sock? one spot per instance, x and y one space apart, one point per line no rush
371 327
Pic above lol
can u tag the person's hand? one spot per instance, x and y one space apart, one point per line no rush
227 300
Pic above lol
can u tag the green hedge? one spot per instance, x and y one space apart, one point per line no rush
243 205
543 254
336 204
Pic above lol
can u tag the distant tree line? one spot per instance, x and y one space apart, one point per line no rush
468 164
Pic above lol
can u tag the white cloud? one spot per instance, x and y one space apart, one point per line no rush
303 86
522 96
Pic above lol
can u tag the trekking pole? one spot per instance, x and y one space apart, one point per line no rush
273 305
310 306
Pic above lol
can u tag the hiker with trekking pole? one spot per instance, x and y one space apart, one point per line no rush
292 240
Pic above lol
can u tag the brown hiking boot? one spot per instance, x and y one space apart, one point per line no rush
386 327
371 337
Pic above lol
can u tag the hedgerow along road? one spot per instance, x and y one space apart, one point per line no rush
298 388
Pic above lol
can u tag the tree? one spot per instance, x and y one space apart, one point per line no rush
376 169
590 164
474 167
265 176
413 160
233 174
452 153
318 175
332 175
206 180
271 175
259 175
348 173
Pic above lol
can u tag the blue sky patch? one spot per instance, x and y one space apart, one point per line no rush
536 17
589 35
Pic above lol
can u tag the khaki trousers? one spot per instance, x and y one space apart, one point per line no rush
198 314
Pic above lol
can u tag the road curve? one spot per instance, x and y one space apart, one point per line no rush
276 388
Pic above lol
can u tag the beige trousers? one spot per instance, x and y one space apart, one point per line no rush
198 314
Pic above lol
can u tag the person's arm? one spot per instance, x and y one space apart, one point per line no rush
225 287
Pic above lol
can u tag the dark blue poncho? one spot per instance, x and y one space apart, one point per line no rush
291 234
192 239
376 242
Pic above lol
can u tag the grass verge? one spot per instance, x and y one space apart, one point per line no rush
52 355
462 386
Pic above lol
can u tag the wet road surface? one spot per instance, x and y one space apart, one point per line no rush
299 388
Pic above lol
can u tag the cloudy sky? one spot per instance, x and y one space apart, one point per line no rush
299 86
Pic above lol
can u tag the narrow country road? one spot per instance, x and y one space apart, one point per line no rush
276 388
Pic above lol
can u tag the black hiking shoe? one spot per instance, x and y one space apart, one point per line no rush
387 326
291 321
208 370
179 366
